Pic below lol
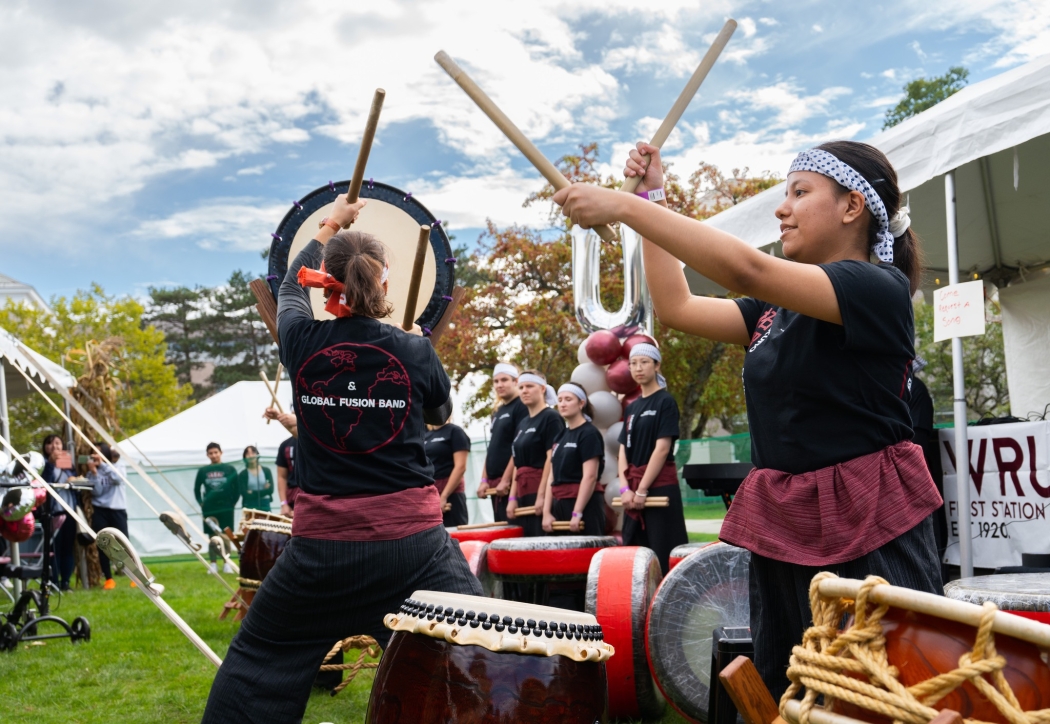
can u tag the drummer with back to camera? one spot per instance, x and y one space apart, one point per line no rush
367 530
829 334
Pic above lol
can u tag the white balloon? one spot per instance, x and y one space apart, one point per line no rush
35 460
591 378
607 410
581 353
611 474
612 438
4 460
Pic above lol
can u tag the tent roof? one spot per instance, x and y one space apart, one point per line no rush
16 384
232 418
995 134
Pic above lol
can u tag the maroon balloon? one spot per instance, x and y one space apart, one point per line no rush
619 379
40 493
634 339
603 347
18 531
628 399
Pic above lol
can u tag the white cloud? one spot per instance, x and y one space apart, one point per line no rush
467 202
818 29
747 27
255 170
788 103
229 224
769 22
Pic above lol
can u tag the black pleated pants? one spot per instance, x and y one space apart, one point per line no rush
779 594
664 527
318 593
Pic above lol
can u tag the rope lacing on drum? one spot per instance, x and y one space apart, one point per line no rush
369 649
827 654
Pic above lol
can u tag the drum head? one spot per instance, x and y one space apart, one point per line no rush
706 590
393 217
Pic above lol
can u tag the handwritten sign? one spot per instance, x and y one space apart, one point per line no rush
958 310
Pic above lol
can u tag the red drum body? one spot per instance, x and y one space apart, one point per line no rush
476 553
707 590
680 553
427 677
488 534
620 586
548 569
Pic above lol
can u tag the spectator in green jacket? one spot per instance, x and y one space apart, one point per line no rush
217 493
255 482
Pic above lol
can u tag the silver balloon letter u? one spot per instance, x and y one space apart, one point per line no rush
636 310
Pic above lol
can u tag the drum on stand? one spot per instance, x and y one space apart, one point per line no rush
476 553
487 533
546 568
620 586
708 590
1024 594
392 216
473 659
680 553
265 537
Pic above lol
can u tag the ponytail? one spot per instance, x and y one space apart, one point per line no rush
872 164
358 260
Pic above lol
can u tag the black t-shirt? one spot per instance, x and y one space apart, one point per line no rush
572 449
535 436
819 393
505 422
361 387
440 445
286 460
645 421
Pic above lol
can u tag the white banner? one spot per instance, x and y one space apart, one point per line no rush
1009 492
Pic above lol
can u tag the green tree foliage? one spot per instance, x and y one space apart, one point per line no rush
519 301
923 93
214 331
984 366
149 394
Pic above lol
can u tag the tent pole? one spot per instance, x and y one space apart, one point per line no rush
962 448
5 429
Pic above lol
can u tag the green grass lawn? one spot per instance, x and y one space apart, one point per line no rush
705 511
138 668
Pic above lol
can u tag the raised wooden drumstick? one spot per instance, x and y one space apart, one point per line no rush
272 391
675 114
422 247
366 145
276 381
548 170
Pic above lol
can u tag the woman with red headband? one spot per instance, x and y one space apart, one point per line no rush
829 332
367 530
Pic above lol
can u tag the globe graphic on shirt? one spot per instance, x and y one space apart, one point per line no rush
352 398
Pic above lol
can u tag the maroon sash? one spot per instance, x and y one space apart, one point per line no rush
366 517
528 481
668 475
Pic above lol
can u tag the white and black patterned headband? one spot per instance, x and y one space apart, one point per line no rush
827 164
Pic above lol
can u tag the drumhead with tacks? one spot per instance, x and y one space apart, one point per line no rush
708 589
546 558
1016 592
620 585
392 216
487 534
680 553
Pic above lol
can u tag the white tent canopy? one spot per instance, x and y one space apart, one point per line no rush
15 383
232 418
994 135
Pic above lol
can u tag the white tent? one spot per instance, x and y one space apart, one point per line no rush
13 381
976 168
232 418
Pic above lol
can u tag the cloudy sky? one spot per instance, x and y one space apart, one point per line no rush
156 143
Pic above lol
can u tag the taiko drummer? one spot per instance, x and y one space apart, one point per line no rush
646 461
830 335
533 441
448 447
368 529
509 411
577 463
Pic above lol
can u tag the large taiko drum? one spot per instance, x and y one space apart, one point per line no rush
707 590
455 658
620 585
927 636
680 553
265 537
486 533
392 216
1024 594
547 568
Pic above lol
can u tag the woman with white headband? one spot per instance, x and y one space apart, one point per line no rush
829 333
646 461
533 441
577 463
368 528
508 412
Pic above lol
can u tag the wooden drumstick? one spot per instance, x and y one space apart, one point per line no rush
525 511
366 145
422 247
563 525
475 526
276 381
658 501
457 298
675 114
266 306
272 391
548 170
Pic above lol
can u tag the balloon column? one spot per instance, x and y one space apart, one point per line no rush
604 373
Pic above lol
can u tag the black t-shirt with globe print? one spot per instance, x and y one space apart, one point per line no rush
360 390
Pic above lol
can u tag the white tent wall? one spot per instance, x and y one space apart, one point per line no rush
1026 339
